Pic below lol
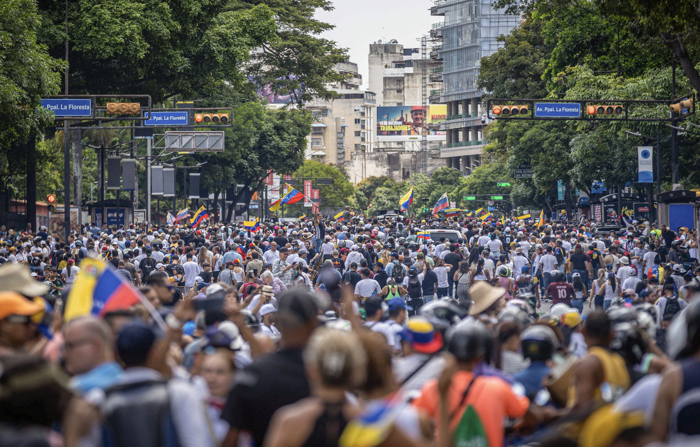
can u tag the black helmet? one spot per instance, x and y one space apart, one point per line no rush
469 341
522 304
629 343
443 314
557 275
618 315
539 342
516 315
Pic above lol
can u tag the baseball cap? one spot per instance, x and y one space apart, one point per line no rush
422 335
267 309
398 303
134 342
159 265
12 303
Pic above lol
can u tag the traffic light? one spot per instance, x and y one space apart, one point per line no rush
682 107
605 110
123 108
211 118
509 110
51 198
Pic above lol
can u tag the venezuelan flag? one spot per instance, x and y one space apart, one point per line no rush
406 200
302 217
423 235
479 212
182 214
451 212
372 427
252 225
199 216
171 219
442 203
523 217
99 289
292 195
485 216
539 224
276 205
339 217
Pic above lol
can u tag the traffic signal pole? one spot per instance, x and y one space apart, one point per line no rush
66 179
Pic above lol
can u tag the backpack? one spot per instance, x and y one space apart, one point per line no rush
398 273
671 308
147 265
415 290
595 258
470 431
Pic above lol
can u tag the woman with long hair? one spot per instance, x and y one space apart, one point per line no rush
580 292
479 273
463 279
203 256
441 271
611 290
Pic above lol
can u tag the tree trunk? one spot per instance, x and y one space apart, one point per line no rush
675 43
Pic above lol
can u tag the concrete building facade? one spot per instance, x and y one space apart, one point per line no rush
468 33
343 125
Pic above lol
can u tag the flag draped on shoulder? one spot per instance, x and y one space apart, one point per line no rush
406 200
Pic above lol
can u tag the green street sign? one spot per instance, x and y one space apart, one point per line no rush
503 184
496 197
469 197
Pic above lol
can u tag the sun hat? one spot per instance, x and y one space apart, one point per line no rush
483 296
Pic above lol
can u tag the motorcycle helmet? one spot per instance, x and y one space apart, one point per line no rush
469 341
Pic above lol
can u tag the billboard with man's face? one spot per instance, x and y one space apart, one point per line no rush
408 123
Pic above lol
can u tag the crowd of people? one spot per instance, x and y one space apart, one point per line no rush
358 332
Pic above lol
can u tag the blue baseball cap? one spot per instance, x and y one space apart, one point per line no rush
398 303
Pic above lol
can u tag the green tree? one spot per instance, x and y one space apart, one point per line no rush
161 47
299 63
369 185
27 73
339 194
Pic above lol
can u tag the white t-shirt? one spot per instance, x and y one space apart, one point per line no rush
549 263
623 273
495 245
649 260
270 256
191 271
441 273
70 277
367 287
382 328
490 266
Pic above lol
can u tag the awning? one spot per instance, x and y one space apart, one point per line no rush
317 154
318 125
344 125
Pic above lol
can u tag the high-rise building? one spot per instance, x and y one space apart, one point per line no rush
468 33
343 125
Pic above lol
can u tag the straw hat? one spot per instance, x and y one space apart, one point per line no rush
17 278
483 296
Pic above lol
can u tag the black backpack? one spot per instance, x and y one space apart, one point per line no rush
672 307
147 265
415 290
398 273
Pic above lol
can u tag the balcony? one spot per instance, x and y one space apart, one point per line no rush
435 78
463 116
437 70
468 143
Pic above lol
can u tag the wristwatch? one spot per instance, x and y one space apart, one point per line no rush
173 322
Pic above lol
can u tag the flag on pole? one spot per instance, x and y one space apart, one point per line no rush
423 235
199 216
406 200
171 219
302 217
292 195
182 214
523 217
339 217
541 221
442 203
451 212
479 212
485 216
276 205
99 289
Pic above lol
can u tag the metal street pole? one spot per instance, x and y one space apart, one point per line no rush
148 180
66 177
674 132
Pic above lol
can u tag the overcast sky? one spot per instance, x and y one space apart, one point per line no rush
361 22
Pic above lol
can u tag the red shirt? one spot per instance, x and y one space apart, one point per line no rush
561 292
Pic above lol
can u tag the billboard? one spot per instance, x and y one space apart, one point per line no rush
409 123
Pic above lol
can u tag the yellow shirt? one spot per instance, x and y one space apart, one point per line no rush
616 379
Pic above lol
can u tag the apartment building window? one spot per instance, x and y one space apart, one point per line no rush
398 90
357 133
357 120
